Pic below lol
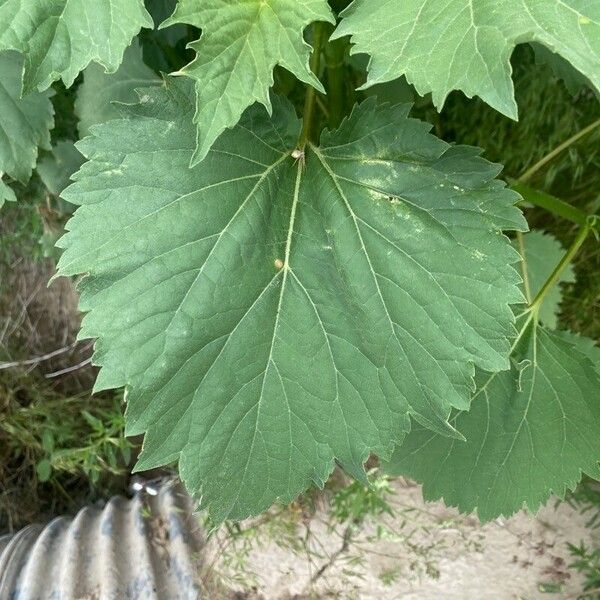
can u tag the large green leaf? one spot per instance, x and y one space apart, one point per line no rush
466 44
241 44
25 123
269 314
541 252
531 431
99 90
59 38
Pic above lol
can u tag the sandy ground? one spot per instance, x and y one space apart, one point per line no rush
429 552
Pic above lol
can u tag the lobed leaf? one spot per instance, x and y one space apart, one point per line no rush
59 38
532 430
466 44
269 314
241 44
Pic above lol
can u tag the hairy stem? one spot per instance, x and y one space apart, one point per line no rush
560 267
551 155
319 31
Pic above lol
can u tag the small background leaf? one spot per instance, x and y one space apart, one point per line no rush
7 194
44 470
55 169
25 123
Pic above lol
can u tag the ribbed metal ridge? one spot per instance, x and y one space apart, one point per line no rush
146 548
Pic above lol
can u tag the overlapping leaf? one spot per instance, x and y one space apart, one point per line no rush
531 431
7 194
466 44
269 314
241 44
25 123
55 169
99 90
59 38
95 104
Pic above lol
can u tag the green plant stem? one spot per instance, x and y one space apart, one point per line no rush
560 267
336 79
323 107
311 94
551 155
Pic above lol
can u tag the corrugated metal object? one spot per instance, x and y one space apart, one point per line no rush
146 548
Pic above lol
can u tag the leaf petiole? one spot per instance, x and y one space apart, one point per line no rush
336 79
560 267
319 30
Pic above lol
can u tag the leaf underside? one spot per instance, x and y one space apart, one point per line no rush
241 44
530 432
268 317
573 80
466 44
25 123
59 38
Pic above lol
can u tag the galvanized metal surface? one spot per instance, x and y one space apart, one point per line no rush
146 548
